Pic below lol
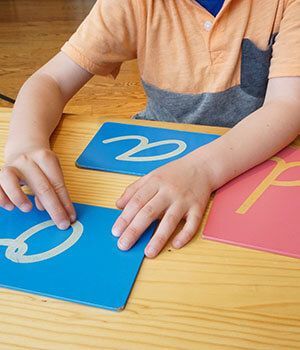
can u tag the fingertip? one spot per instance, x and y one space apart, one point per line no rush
115 232
70 210
5 201
123 244
119 203
40 208
25 207
9 207
116 229
73 218
39 205
177 244
151 252
64 225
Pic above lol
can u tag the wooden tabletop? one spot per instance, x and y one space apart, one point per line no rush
205 296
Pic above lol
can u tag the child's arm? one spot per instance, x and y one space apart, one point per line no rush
260 135
28 157
181 189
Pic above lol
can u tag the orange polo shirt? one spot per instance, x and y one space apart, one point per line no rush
195 68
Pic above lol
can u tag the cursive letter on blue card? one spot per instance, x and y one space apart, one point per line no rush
82 264
137 150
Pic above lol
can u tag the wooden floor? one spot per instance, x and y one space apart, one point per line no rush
32 31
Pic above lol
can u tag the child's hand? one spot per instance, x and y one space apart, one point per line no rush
38 167
178 190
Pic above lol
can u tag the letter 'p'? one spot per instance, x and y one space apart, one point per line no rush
270 180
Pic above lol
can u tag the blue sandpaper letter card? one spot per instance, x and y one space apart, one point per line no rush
137 150
82 264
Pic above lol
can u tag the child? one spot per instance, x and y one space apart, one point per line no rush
239 69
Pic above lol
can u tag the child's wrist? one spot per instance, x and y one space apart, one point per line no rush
209 159
21 144
199 161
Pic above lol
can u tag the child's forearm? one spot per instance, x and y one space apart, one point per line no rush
36 113
253 140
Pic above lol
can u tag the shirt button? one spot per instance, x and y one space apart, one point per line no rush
208 25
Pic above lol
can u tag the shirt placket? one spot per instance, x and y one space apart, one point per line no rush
214 31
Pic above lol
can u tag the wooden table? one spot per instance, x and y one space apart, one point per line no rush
205 296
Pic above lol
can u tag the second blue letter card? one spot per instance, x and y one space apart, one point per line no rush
137 150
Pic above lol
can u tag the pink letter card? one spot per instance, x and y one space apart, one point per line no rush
260 208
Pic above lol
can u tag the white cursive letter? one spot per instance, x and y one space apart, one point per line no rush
16 248
144 144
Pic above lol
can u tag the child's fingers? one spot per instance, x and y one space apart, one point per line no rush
5 202
167 226
10 183
42 188
38 204
142 221
136 203
129 192
50 166
189 230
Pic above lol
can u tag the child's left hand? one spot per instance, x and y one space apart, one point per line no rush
178 190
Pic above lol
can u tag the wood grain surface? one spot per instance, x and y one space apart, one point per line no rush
205 296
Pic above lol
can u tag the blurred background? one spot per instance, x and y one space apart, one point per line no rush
32 31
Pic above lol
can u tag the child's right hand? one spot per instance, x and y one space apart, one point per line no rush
38 167
28 158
